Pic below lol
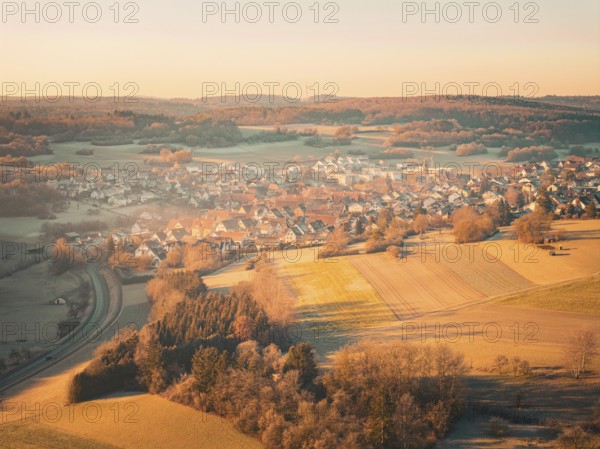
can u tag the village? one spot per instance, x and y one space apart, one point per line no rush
300 207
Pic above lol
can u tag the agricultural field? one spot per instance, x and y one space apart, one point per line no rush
581 296
28 320
440 289
435 280
28 435
333 291
29 229
127 422
577 258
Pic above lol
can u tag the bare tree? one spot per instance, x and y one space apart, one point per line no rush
579 350
500 363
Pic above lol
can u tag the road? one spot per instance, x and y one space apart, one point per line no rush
89 331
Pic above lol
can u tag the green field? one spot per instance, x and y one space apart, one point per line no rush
581 296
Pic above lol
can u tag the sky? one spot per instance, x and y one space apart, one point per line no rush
184 48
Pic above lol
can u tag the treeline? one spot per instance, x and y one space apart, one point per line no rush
466 140
22 199
537 153
430 132
55 230
22 145
198 131
542 122
67 127
277 135
113 128
503 121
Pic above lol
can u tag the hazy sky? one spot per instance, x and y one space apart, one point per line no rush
371 51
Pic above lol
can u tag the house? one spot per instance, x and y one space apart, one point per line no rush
152 249
176 235
355 208
316 226
291 236
454 198
136 228
71 237
490 198
117 201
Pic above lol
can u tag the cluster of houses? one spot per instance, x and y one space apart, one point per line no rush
229 212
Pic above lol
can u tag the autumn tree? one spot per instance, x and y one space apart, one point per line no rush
270 292
514 197
175 257
144 262
376 242
543 201
469 149
359 228
408 425
150 359
63 257
420 223
531 228
302 359
167 289
577 438
590 210
394 234
469 226
380 424
393 251
344 135
337 241
579 350
207 365
596 416
500 213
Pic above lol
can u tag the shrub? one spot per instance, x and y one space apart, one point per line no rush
498 427
393 251
469 149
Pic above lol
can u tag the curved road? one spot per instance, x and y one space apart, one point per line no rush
87 332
